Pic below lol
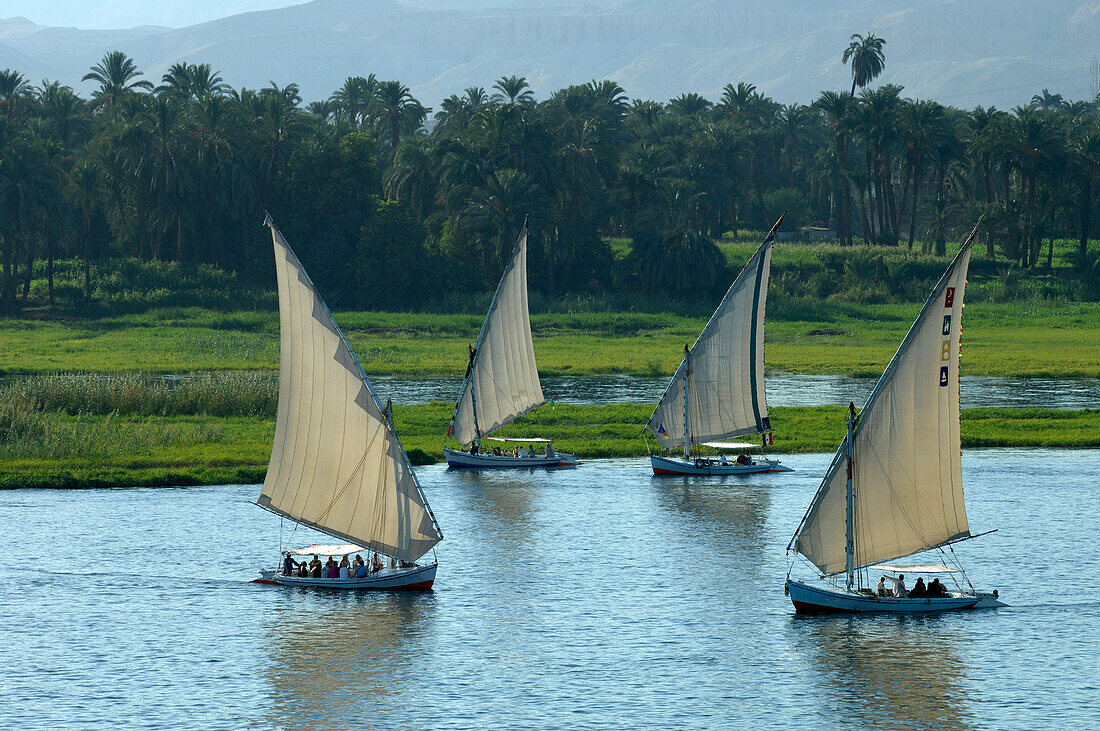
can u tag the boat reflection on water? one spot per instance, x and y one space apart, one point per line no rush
332 656
886 671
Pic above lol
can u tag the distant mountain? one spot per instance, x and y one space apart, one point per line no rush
963 52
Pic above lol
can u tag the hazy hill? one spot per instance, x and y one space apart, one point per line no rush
963 52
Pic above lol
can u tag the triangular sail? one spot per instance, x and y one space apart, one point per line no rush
907 465
502 382
336 464
725 367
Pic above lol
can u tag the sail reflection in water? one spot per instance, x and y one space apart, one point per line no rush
335 656
887 671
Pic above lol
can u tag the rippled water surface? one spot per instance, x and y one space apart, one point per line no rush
783 389
599 597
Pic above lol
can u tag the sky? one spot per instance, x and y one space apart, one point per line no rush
130 13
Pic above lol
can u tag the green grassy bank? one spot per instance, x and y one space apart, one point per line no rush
57 448
1055 339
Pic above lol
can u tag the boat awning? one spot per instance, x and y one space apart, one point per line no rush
519 439
730 445
317 550
917 568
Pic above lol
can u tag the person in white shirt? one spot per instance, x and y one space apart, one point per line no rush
899 586
881 588
522 452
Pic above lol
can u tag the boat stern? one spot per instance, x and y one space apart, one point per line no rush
989 600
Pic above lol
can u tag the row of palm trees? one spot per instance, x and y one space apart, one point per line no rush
180 171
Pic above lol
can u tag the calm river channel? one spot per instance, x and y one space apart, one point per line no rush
599 598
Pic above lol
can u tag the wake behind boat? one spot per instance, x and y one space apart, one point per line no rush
718 390
336 462
894 487
502 380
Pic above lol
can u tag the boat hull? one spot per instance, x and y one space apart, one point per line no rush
675 466
465 460
809 599
417 577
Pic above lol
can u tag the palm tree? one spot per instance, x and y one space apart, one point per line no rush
64 112
398 111
689 104
116 75
1048 102
355 97
84 193
837 108
922 129
1026 144
1084 150
514 90
15 90
983 123
866 57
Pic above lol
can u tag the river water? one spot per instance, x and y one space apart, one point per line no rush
783 389
596 598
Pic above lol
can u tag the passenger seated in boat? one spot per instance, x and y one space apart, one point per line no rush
936 589
315 567
303 570
331 569
920 591
473 449
289 565
375 564
743 459
522 452
496 452
881 588
550 453
515 451
345 568
723 461
899 586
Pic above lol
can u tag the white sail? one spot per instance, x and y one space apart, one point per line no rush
502 381
725 367
335 463
907 466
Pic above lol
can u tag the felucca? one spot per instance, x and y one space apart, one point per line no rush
502 381
894 487
718 390
336 462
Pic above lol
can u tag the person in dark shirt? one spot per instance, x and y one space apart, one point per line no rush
289 565
920 591
936 589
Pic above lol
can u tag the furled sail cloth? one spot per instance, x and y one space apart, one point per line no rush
502 382
725 367
907 466
336 464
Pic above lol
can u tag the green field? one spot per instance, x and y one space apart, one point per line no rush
40 448
1055 339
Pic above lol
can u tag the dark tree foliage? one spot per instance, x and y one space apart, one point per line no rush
390 206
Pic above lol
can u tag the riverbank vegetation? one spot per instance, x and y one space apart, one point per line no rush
1031 338
65 432
394 206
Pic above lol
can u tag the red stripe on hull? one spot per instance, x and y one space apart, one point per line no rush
659 471
807 608
421 585
264 581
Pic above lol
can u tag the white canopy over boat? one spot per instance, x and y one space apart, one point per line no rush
336 463
343 549
906 492
915 568
502 380
718 390
540 440
730 445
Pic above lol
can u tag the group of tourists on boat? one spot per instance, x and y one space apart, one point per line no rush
722 461
330 569
933 590
517 451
